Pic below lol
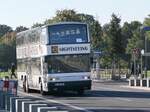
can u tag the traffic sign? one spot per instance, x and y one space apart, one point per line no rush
146 28
146 54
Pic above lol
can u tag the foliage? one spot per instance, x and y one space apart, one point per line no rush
37 25
8 49
20 29
4 29
115 41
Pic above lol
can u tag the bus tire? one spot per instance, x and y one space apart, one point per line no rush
26 87
42 91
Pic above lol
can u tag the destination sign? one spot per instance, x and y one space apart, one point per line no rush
68 33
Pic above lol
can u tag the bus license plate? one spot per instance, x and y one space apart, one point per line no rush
59 84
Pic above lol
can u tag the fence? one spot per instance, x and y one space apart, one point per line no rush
109 74
8 88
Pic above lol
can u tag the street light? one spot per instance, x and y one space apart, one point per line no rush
142 53
145 28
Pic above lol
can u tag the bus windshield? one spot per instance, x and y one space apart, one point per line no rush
68 63
68 33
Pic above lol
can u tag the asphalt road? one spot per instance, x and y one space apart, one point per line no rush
107 96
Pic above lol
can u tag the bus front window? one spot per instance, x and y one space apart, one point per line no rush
68 63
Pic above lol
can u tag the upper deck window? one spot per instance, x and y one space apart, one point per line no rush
68 33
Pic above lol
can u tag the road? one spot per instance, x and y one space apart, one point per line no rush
107 96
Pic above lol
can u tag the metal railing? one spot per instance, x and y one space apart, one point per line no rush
109 74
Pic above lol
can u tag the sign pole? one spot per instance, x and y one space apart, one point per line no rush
134 64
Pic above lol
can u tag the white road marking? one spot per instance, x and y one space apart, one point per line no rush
58 102
138 88
17 102
31 105
50 108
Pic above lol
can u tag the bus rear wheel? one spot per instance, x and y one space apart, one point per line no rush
26 88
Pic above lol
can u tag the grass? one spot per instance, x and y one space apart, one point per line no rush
3 74
148 73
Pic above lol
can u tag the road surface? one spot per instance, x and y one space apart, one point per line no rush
107 96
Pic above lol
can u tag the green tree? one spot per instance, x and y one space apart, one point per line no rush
4 29
97 36
136 39
116 47
20 29
126 33
37 25
66 15
8 49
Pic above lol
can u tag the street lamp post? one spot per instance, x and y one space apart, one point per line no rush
142 53
145 57
146 28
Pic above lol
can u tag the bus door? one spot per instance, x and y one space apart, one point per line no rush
29 74
45 72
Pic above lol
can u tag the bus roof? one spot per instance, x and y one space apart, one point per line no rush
71 22
64 23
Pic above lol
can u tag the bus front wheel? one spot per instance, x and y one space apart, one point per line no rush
42 91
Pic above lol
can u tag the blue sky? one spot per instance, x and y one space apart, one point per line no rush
26 12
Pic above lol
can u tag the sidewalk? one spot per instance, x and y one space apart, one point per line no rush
135 87
109 80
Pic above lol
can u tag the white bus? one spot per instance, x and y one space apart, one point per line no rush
54 57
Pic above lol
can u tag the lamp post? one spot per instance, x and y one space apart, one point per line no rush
146 28
145 57
142 53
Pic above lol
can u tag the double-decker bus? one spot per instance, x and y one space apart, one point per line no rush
54 57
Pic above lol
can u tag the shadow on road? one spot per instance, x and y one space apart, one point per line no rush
123 94
118 110
98 93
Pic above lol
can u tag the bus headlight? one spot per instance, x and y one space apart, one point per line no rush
86 77
53 78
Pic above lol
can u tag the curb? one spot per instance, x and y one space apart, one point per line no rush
140 88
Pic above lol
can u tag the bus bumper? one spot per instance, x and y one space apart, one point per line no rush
70 86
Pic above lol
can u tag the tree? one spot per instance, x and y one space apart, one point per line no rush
126 34
8 49
4 29
136 39
116 47
66 15
37 25
147 21
20 29
97 36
